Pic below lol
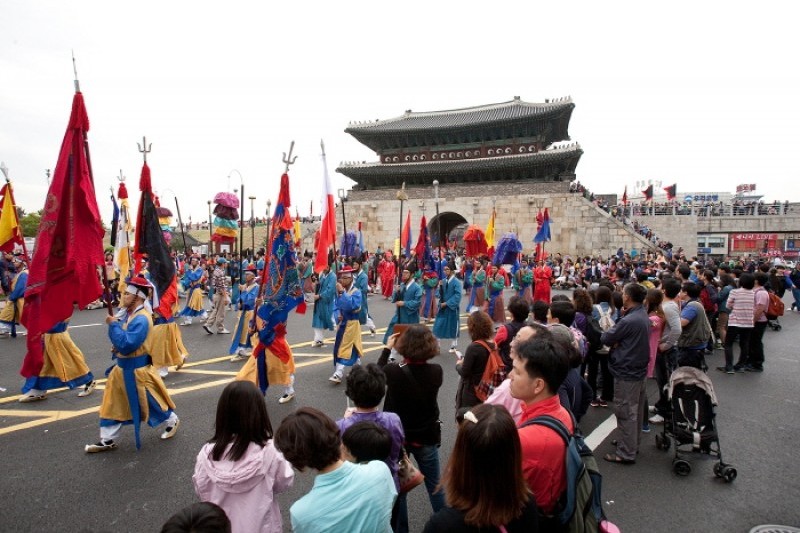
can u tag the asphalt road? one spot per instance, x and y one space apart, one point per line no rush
49 484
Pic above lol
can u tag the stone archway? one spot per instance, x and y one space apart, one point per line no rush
449 226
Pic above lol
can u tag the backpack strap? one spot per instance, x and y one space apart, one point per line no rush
552 423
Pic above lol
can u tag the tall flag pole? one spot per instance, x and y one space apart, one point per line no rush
149 243
327 229
281 289
69 247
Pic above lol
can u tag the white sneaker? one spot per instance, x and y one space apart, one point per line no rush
170 431
452 349
187 322
372 332
239 356
286 398
317 344
87 389
32 396
163 372
335 378
102 446
223 331
656 419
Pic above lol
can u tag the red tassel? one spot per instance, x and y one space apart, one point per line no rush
122 193
301 308
144 181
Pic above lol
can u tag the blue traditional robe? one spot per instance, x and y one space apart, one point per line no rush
194 299
347 348
411 296
323 308
362 284
447 325
246 304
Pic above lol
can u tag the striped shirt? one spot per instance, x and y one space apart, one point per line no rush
741 304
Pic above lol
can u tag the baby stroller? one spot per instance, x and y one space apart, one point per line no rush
692 423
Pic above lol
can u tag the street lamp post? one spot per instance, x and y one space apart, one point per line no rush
402 196
342 200
252 228
438 222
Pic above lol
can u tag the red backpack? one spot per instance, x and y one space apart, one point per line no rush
775 306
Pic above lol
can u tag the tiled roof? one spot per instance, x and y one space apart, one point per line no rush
463 118
546 164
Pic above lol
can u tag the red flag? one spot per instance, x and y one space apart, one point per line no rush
672 190
625 196
648 193
10 232
405 236
327 229
150 243
69 247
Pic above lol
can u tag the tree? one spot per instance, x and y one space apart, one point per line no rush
30 223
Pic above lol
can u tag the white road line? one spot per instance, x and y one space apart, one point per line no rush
602 431
86 326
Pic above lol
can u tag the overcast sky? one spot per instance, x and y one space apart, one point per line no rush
702 94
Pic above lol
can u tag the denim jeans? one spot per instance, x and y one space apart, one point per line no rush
427 458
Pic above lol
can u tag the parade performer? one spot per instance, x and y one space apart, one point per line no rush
193 281
361 282
430 281
388 273
524 282
241 346
322 318
407 298
347 349
307 268
216 318
64 366
168 348
272 361
134 392
543 277
494 305
477 293
11 314
446 326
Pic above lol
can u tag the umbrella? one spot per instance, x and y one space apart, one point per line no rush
508 249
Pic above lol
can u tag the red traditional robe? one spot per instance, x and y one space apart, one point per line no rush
542 277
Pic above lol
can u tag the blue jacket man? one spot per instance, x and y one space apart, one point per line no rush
323 306
407 297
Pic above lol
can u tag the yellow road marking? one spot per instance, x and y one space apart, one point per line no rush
46 417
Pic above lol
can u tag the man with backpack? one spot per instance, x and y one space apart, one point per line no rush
538 370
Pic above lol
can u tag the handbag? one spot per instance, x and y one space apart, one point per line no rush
408 474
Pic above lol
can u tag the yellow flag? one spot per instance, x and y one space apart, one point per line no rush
8 218
298 233
490 230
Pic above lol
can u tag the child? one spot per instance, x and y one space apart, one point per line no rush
240 469
366 441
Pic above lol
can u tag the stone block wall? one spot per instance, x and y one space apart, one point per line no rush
578 227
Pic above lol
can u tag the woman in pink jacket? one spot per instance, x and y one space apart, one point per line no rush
240 469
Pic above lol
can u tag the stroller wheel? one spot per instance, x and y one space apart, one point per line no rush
729 474
718 469
682 467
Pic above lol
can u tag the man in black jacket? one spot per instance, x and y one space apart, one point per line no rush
630 353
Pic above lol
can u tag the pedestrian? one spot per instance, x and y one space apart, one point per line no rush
630 354
347 349
494 305
366 388
657 324
483 478
216 318
695 328
470 367
477 292
539 369
543 279
506 333
345 496
412 389
667 356
524 279
604 312
239 468
202 517
741 309
11 314
446 326
756 359
130 332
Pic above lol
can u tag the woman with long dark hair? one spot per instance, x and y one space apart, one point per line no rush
483 480
240 469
